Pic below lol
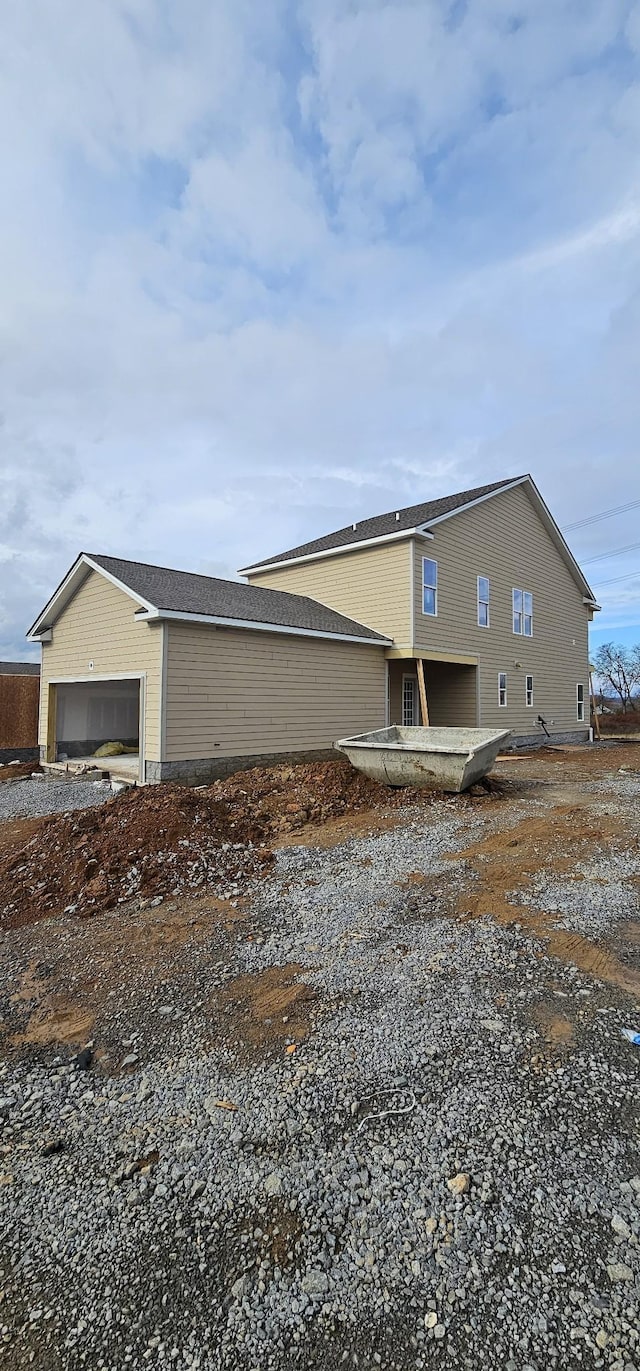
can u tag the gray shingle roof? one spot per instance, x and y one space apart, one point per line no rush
19 669
187 593
394 522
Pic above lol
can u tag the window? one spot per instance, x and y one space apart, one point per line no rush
502 689
409 684
429 586
523 612
580 702
528 614
528 691
483 601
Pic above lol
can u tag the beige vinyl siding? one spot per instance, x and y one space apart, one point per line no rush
372 586
98 625
451 695
240 692
504 538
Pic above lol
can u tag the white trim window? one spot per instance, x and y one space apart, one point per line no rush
484 590
429 586
502 689
528 691
523 612
580 702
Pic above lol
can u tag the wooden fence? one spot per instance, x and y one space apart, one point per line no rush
19 712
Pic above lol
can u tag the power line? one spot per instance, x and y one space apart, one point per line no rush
603 556
606 514
616 579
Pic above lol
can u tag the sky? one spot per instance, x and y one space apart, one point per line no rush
271 268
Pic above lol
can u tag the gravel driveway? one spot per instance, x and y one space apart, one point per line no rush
350 1122
33 798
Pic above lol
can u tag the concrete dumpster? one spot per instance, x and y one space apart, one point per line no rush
432 758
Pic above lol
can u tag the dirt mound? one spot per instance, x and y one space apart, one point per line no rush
284 798
167 839
157 841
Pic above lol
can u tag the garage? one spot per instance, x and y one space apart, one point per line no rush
88 714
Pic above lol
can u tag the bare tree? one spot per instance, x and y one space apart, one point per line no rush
634 660
619 669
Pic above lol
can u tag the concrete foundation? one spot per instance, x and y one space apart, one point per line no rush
538 739
19 754
205 769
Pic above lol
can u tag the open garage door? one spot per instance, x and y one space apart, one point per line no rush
88 714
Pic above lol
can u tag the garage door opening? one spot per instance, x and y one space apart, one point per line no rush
90 714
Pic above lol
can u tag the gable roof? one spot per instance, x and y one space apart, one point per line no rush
19 669
163 593
420 520
397 523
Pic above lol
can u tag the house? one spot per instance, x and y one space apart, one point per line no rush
197 675
477 592
19 691
481 588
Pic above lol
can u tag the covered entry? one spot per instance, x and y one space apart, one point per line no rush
84 714
451 689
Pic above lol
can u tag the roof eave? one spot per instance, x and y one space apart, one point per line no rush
420 531
479 500
40 630
528 480
222 621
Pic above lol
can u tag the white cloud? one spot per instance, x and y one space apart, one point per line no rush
270 269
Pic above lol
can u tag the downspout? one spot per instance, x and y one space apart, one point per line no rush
412 594
163 694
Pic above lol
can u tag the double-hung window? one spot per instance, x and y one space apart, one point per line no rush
502 689
580 702
429 586
483 601
523 612
528 691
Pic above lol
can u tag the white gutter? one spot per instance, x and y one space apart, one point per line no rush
335 551
220 621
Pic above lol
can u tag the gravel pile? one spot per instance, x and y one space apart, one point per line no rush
32 799
426 1180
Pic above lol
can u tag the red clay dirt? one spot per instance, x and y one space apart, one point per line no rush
141 843
168 839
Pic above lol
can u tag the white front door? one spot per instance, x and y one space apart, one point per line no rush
409 701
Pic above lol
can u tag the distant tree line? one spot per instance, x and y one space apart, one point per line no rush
618 670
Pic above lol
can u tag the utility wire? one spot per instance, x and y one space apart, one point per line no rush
606 514
603 556
616 579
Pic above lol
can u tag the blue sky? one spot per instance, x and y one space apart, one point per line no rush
271 268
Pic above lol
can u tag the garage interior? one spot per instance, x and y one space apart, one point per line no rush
88 714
